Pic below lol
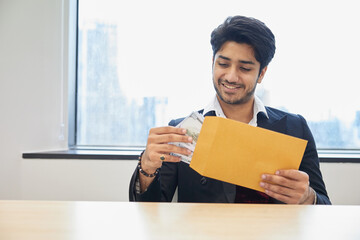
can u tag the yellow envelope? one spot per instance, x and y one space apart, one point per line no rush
238 153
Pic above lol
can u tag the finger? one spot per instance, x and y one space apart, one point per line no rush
280 197
160 150
167 130
168 148
279 180
293 174
169 158
281 193
166 138
277 189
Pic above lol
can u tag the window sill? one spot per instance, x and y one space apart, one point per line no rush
327 156
85 154
339 156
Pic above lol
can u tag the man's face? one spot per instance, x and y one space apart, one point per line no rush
236 73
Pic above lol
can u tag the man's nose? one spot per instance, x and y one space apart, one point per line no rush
232 75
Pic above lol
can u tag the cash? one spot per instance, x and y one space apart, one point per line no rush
192 124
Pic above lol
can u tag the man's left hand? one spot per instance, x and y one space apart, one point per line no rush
288 186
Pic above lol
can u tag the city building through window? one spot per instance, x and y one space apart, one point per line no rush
143 63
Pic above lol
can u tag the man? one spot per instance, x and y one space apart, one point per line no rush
242 49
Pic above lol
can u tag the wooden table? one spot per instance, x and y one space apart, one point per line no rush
52 220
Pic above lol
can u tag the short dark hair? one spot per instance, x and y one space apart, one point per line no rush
247 30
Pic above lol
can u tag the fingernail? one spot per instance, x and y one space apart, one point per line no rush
183 130
263 176
190 139
262 184
277 172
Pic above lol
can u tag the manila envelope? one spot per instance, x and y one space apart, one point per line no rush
238 153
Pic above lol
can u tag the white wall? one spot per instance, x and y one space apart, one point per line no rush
342 182
30 104
31 116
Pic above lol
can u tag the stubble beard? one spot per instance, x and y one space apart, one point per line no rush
248 95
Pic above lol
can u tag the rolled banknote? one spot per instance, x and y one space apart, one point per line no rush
192 124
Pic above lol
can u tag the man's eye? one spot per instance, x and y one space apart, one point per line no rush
245 69
223 64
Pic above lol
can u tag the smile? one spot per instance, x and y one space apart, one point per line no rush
230 86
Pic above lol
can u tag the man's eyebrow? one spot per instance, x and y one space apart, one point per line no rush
225 58
240 61
247 62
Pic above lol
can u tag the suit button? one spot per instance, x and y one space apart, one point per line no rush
203 181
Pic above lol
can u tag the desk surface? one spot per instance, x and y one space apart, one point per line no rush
123 220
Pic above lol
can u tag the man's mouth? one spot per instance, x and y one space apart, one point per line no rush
230 86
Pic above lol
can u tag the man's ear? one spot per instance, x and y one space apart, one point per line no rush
262 74
212 65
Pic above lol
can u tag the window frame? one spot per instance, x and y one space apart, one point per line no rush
103 152
73 29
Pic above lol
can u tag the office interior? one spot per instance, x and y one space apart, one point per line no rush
34 104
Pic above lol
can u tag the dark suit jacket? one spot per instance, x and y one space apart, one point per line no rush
192 187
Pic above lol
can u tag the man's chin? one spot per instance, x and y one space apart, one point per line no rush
232 99
235 101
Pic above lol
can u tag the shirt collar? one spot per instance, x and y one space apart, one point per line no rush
214 105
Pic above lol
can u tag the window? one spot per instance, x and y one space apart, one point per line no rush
143 63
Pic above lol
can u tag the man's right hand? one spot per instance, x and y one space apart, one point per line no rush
158 146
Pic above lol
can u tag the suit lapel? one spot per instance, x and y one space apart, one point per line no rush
274 122
210 113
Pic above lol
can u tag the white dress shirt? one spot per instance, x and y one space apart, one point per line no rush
214 105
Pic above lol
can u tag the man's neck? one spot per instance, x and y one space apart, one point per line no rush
239 112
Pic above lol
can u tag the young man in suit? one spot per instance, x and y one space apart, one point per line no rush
242 49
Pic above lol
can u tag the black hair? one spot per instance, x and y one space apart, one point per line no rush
247 30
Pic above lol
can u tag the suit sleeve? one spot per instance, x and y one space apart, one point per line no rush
310 165
162 188
151 195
